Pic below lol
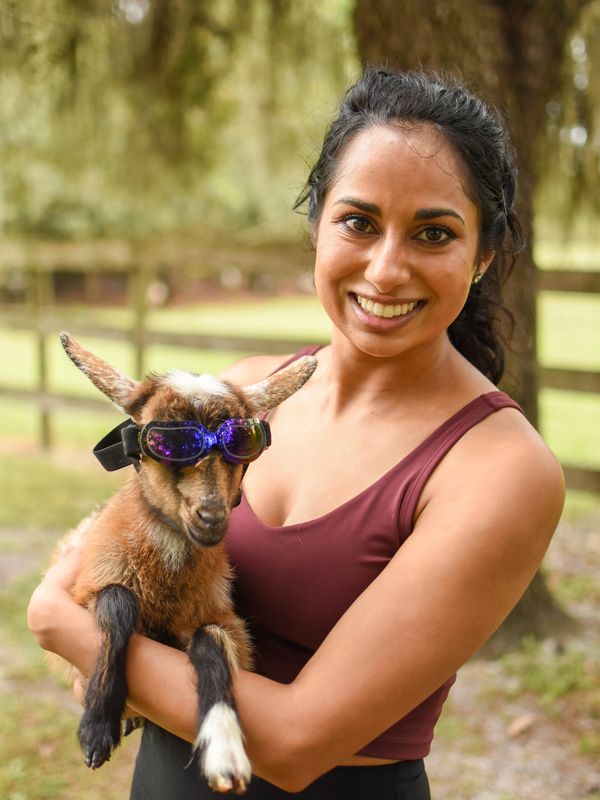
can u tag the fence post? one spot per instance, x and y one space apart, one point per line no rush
40 294
137 296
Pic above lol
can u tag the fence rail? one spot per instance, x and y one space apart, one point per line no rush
37 316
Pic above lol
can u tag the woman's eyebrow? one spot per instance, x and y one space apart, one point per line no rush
370 208
432 213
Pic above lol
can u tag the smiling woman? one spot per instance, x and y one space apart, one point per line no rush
404 503
379 248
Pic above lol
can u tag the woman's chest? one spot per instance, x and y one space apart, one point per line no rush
296 581
314 466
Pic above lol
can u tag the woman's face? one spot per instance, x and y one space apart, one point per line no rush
397 241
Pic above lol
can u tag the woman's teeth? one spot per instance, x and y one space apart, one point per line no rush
387 310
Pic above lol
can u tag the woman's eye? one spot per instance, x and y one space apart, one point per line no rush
357 223
435 235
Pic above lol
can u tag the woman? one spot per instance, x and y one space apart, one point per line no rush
405 503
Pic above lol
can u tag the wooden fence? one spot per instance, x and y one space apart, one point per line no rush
38 316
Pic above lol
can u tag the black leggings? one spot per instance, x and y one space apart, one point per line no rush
161 774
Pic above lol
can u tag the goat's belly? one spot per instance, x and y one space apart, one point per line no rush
182 610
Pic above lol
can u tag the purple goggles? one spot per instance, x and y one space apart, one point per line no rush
184 443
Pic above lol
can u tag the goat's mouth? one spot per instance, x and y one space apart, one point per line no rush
203 535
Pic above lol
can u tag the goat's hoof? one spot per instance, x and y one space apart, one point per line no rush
132 724
228 783
222 757
97 743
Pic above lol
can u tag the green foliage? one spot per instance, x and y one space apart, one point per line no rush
567 193
133 117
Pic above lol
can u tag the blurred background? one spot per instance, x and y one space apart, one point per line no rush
151 152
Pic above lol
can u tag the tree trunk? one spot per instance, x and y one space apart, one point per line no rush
510 52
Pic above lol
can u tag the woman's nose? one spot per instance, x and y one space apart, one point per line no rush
389 265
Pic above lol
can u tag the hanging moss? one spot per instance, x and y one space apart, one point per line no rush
158 115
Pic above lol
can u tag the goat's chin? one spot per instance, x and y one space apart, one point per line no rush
201 536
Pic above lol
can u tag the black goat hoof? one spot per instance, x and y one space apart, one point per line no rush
132 724
97 743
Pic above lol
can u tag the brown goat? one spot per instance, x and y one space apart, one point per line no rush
153 559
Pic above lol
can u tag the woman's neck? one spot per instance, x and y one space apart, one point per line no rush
353 377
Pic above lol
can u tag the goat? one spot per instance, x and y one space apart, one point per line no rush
153 559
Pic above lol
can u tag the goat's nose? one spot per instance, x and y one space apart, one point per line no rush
211 517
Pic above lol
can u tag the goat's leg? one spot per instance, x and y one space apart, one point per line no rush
100 726
219 743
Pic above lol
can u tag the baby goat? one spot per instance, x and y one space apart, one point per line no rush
153 559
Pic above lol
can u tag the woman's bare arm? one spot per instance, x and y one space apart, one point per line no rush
475 548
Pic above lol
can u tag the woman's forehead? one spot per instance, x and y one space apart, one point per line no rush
416 154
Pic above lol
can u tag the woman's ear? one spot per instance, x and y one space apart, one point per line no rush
485 259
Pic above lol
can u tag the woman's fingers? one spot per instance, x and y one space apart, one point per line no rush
63 573
79 687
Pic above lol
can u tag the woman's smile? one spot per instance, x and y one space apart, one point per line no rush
384 314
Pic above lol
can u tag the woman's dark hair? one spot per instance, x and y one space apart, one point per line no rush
480 136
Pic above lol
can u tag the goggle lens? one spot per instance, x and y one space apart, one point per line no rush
242 440
174 444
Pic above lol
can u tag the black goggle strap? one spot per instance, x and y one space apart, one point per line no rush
120 447
267 431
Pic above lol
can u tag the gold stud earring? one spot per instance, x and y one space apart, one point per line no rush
478 277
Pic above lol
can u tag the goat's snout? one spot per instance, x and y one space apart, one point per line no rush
212 518
209 522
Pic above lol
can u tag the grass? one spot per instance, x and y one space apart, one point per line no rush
39 753
569 330
43 495
62 492
550 675
42 762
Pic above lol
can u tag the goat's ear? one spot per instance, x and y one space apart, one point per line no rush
117 386
278 387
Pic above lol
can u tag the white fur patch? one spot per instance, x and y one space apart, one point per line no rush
224 760
196 387
173 548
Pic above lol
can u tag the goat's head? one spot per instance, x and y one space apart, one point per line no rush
196 499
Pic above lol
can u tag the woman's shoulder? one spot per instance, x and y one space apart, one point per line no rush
503 455
253 368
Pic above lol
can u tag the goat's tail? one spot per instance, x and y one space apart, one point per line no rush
219 744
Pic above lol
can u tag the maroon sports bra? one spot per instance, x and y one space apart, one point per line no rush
294 582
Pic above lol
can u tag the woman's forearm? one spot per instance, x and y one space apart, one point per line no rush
162 686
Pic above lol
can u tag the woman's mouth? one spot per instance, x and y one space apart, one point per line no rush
385 310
